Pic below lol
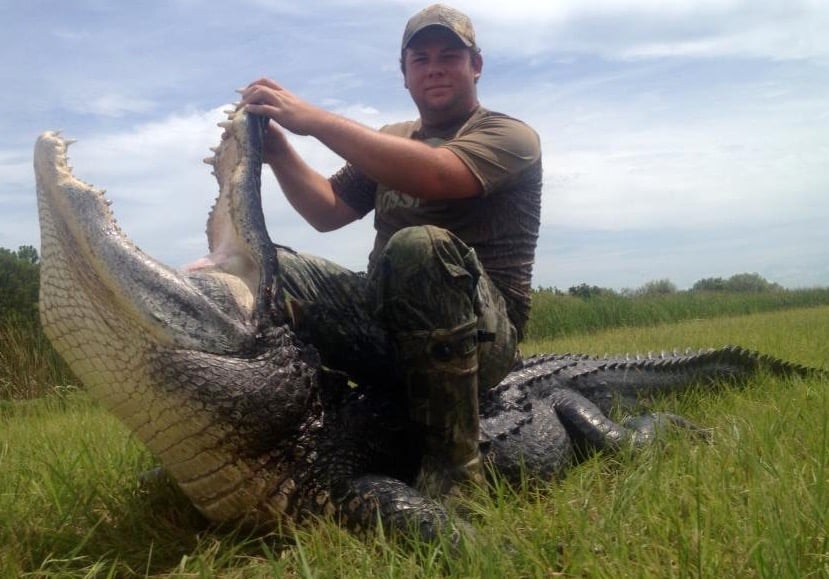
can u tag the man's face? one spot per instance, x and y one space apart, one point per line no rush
440 73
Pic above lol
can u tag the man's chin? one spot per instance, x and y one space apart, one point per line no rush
441 104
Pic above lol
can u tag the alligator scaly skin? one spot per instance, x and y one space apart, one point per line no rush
550 405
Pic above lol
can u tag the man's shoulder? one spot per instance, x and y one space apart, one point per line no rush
502 131
401 129
486 118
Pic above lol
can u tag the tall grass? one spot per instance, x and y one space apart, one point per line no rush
29 366
753 503
554 315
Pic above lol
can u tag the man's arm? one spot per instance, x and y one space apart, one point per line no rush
409 166
306 190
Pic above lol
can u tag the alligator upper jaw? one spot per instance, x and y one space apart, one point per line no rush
86 257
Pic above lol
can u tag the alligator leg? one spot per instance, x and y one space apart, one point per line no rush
591 429
541 438
364 501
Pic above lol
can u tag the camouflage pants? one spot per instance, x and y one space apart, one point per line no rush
425 281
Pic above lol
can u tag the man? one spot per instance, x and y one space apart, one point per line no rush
456 197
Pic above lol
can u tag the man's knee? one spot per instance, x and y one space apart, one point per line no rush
425 279
416 247
436 252
413 236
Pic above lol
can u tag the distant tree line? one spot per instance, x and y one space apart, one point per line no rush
19 284
742 282
738 283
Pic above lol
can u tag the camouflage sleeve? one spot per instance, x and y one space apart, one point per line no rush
355 188
496 148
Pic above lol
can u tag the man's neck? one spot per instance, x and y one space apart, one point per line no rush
432 125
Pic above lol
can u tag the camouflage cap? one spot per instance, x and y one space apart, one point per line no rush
440 15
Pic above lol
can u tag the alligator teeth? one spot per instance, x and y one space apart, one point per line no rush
209 160
225 124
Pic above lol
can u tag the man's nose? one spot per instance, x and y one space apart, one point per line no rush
436 68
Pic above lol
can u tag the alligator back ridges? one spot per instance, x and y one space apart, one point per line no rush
743 361
627 379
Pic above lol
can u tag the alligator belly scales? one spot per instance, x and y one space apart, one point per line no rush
202 366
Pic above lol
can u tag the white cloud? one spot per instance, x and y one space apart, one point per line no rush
689 176
15 168
653 28
610 28
160 189
707 116
108 105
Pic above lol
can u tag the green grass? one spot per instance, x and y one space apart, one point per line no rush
29 366
555 315
753 503
796 334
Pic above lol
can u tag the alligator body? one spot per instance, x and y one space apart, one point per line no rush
202 366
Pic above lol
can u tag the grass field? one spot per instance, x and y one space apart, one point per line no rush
554 315
753 503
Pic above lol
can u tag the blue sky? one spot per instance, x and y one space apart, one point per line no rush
681 140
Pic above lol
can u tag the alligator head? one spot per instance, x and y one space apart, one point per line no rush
198 363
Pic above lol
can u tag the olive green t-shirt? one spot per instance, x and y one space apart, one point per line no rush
501 225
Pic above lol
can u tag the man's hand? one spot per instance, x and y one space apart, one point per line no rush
309 192
400 163
274 144
266 97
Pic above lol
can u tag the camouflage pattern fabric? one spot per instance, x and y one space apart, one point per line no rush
426 280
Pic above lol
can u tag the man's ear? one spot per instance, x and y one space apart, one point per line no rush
403 70
477 63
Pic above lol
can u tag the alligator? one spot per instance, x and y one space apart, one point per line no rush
201 364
